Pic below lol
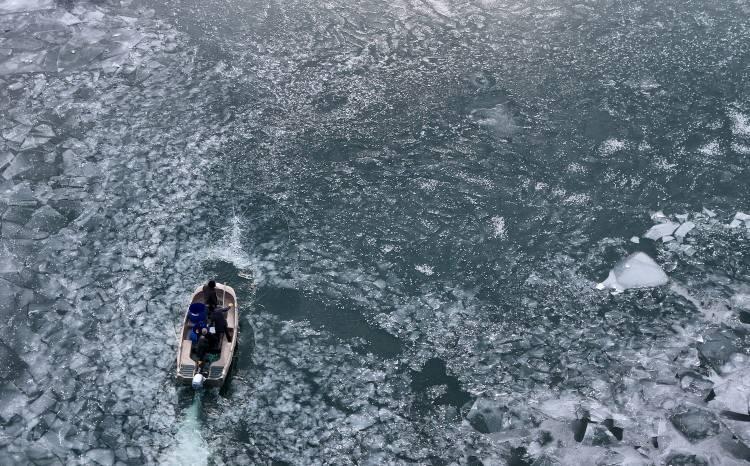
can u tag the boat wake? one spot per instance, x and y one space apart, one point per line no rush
190 448
229 249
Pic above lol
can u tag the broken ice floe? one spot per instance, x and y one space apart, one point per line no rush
425 269
684 229
739 219
694 423
19 6
660 230
667 230
638 270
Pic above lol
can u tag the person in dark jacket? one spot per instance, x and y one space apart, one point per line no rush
209 296
220 323
203 348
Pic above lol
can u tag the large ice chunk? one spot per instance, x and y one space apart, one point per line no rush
17 6
637 270
661 229
486 416
694 423
684 229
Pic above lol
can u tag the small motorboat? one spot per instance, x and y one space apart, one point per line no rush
214 369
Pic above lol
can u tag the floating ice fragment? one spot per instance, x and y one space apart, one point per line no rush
68 19
44 131
682 217
498 226
708 212
718 348
610 146
486 416
14 402
732 392
17 133
734 223
17 6
33 141
712 149
425 269
741 301
498 120
635 240
637 270
660 230
740 148
740 124
666 239
360 422
684 229
659 216
5 158
19 165
101 456
694 423
743 217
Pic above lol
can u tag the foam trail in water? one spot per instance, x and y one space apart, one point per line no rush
229 249
190 448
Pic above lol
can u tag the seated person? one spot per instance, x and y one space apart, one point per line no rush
198 329
201 350
213 340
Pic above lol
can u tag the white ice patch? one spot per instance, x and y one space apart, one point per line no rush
741 301
17 6
709 212
637 270
732 387
711 149
660 230
610 146
441 7
498 227
740 124
498 120
577 199
425 269
648 85
741 148
739 219
684 229
734 223
659 216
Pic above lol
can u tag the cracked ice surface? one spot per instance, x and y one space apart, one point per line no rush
88 244
352 161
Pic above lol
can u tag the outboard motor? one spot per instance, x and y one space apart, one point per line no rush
198 381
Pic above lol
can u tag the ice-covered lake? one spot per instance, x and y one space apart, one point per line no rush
462 232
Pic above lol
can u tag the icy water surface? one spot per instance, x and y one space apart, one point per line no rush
476 232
